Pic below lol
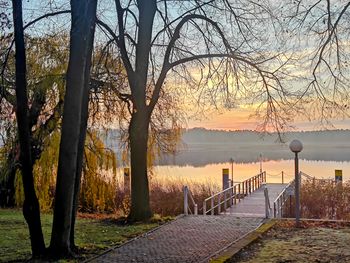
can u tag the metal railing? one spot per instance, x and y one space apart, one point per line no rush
282 198
232 195
188 195
288 191
313 178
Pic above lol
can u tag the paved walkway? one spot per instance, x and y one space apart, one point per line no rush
253 205
187 239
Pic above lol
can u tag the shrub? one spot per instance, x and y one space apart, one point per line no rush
321 199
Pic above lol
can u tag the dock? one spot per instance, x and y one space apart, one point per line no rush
253 205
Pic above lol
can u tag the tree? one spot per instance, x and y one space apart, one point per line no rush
320 30
73 123
31 210
216 49
45 87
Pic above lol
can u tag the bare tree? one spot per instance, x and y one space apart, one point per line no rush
31 210
210 50
320 30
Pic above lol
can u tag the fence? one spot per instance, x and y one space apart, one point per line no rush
188 195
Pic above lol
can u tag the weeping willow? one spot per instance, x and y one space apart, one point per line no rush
98 180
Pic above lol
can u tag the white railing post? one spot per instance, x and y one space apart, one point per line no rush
225 200
239 193
219 204
195 209
212 206
185 200
281 207
204 208
235 195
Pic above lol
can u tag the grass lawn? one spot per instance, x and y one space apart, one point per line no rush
314 242
92 235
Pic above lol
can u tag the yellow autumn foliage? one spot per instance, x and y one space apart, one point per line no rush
98 183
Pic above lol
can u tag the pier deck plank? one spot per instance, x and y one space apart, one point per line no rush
253 205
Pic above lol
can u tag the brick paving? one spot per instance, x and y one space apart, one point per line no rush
187 239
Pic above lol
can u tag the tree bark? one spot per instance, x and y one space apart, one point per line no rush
31 210
138 132
83 20
140 119
82 137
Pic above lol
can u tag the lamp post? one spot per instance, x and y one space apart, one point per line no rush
231 161
296 146
260 157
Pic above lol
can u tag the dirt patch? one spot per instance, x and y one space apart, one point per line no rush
313 242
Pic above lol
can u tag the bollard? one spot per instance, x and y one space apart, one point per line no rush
338 176
225 179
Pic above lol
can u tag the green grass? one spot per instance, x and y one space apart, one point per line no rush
92 235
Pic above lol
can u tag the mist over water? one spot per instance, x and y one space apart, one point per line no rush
204 153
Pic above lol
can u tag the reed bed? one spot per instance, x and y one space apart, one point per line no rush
322 200
166 196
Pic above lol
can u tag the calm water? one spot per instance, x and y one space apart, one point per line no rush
213 172
206 153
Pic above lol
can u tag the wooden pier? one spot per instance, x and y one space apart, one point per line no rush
250 198
253 205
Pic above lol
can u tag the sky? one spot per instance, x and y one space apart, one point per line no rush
234 119
242 119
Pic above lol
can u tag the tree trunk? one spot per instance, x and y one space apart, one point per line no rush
83 20
31 209
138 132
138 129
83 127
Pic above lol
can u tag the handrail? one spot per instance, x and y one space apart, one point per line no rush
306 175
187 209
314 178
233 194
282 197
280 201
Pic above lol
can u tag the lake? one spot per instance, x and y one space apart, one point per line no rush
212 173
205 153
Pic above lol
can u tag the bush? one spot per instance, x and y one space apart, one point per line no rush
167 196
321 199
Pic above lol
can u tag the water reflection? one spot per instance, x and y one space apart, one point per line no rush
211 173
201 155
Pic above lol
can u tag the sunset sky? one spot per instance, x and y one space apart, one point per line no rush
235 119
241 119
